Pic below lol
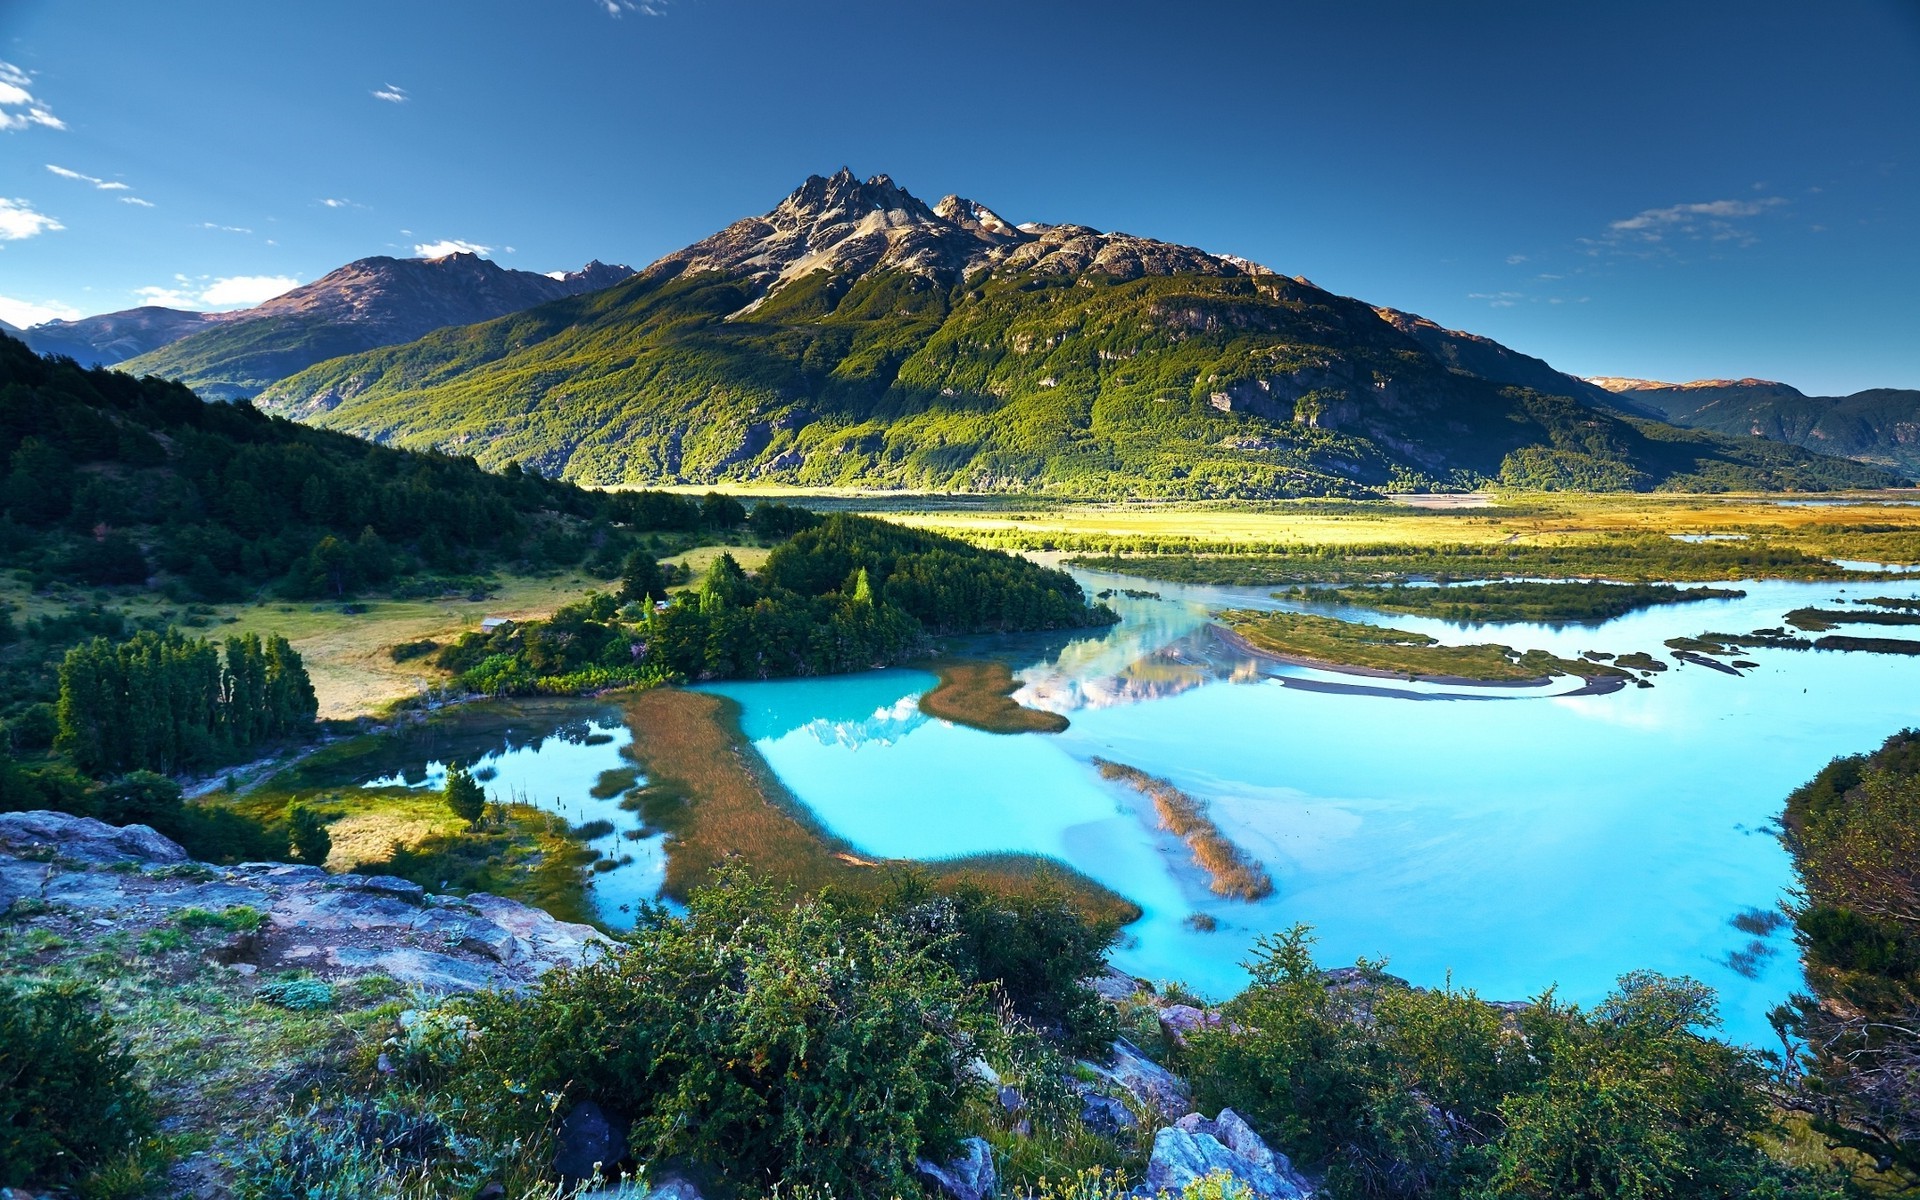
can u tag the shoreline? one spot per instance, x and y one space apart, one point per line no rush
978 693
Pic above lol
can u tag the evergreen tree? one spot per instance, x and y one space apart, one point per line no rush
641 578
465 796
307 836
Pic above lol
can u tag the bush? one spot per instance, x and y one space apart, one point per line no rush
1396 1092
769 1040
68 1099
307 836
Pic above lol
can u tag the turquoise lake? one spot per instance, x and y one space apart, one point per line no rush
1509 839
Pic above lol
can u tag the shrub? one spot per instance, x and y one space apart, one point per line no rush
297 994
307 835
1396 1092
465 797
68 1098
772 1041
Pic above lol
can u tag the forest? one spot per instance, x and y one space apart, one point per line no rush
849 593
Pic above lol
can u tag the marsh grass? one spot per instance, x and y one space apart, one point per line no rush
1230 870
1314 640
719 802
978 693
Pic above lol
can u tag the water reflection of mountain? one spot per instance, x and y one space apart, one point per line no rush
884 726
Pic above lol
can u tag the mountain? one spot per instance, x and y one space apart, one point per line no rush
115 337
373 302
857 336
1880 425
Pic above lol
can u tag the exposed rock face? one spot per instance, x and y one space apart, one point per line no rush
336 926
1140 1077
843 227
1194 1147
1181 1021
969 1176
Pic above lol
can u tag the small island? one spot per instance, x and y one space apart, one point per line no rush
1513 600
1304 639
978 693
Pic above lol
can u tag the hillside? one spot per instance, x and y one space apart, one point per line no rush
856 336
109 338
373 302
1879 425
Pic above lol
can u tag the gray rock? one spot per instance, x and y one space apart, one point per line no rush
83 839
671 1185
21 880
1011 1099
1147 1081
421 968
1193 1148
1116 985
969 1176
1180 1021
387 885
586 1141
1107 1115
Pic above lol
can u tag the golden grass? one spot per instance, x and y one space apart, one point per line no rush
368 834
347 653
719 801
698 559
978 693
1519 517
1231 872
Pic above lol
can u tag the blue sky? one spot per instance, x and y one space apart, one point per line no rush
1665 190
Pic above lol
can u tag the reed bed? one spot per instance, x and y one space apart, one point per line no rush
1230 869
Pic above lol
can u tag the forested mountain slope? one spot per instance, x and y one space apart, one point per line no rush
1879 425
855 335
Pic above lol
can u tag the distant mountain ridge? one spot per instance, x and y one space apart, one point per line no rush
378 301
109 338
854 335
1879 425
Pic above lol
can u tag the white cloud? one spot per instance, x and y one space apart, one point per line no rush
18 108
167 297
225 228
1514 260
105 185
392 94
18 221
340 202
136 200
648 8
230 291
23 313
236 290
1497 299
1652 230
446 246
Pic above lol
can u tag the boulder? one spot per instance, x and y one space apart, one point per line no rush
587 1143
1180 1021
1115 985
1147 1081
968 1176
1194 1147
1106 1115
83 839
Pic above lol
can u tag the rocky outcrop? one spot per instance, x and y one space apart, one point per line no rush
334 926
1129 1072
969 1175
1193 1148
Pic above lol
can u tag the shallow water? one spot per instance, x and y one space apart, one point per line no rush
553 755
1506 838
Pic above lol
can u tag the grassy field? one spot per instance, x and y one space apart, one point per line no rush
713 793
979 693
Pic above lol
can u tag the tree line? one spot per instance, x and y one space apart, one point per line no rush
165 702
844 593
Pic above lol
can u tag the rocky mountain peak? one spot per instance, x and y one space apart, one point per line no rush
843 226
